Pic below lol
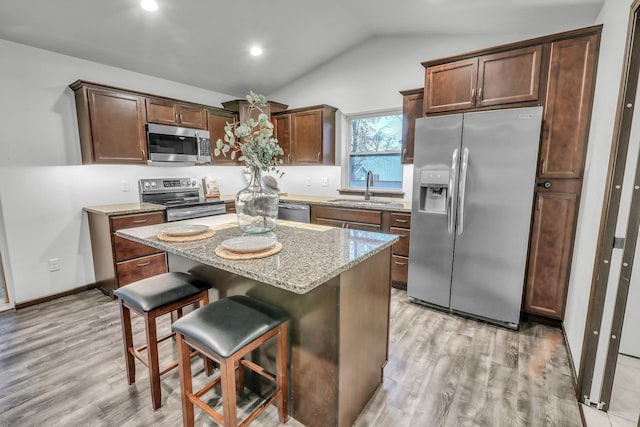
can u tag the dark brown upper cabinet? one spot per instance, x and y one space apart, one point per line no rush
217 119
282 132
488 80
310 133
241 107
567 109
111 124
172 113
412 101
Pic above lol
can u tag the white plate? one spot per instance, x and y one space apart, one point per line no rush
246 244
185 230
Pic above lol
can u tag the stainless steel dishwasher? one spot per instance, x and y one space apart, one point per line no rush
298 212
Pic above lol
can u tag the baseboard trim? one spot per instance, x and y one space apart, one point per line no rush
36 301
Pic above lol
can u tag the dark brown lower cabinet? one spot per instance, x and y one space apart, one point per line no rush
554 223
118 261
359 219
370 220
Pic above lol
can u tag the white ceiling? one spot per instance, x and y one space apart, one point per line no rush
205 43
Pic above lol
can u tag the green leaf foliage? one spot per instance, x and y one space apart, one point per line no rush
252 142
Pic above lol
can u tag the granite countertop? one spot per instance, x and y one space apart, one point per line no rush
310 256
124 208
377 203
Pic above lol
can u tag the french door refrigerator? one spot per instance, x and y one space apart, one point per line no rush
474 176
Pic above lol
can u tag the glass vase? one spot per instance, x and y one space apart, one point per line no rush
257 206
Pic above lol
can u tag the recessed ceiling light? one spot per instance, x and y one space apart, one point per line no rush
149 5
256 51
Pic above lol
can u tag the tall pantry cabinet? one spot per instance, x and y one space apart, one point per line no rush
557 72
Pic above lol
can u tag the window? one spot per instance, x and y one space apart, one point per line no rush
375 144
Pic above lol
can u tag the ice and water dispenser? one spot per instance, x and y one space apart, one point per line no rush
434 186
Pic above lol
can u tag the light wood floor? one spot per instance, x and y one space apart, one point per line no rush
61 364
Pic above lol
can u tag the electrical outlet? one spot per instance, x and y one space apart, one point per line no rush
308 182
54 264
324 181
125 185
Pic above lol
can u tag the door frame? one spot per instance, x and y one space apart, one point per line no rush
606 236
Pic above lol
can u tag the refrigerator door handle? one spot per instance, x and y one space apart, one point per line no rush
451 194
463 187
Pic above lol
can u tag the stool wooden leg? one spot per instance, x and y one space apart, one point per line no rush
127 337
186 388
240 380
208 364
228 384
281 373
152 356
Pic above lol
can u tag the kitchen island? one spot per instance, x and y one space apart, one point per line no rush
335 285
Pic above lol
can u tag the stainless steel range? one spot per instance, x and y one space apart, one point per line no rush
182 197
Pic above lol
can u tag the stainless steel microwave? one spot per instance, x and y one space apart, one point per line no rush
174 144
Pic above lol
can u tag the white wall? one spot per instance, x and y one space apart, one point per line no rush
614 16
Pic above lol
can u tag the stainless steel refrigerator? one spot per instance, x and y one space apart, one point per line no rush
473 182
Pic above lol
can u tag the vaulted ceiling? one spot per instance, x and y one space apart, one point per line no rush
205 43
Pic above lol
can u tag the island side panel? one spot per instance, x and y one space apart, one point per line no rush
365 295
312 334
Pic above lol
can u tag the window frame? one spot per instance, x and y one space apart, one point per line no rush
346 158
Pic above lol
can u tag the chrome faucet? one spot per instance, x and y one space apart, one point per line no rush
367 195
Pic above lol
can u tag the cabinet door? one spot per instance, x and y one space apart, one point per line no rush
451 86
159 111
508 77
567 110
282 132
141 268
412 106
550 250
192 117
216 123
117 127
307 136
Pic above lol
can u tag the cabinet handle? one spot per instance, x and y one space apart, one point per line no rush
399 263
144 264
404 221
402 235
542 165
176 117
318 156
180 116
480 95
473 95
404 153
140 221
289 158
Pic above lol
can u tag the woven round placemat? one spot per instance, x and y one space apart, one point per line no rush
181 239
223 253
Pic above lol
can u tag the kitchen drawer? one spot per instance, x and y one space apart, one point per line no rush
128 249
347 224
402 220
399 268
401 247
230 207
348 215
141 268
136 220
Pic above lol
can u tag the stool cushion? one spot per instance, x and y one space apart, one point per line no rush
225 326
157 291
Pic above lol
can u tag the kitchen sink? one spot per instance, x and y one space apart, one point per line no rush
366 203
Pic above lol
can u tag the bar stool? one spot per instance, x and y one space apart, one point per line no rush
226 331
152 298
